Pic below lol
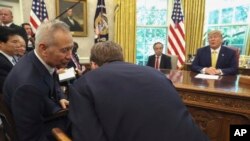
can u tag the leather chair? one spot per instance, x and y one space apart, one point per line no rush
237 52
174 59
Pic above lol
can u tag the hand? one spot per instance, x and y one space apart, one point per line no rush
64 103
80 72
212 71
61 70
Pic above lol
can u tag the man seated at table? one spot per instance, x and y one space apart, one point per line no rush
215 59
159 60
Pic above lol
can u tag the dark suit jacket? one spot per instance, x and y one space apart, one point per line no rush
5 67
29 93
21 31
226 61
125 102
165 61
73 27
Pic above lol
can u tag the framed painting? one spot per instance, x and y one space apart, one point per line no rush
74 14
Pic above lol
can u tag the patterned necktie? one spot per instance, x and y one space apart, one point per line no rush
157 62
214 58
13 60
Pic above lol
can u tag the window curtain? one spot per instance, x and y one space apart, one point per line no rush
125 25
248 42
194 16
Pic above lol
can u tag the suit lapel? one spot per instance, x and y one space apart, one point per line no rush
208 56
221 56
43 72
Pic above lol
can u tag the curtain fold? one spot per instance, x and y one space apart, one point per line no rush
125 25
248 42
194 16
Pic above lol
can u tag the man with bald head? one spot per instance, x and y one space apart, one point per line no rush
6 19
215 59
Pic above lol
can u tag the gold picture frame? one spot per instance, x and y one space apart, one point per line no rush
75 17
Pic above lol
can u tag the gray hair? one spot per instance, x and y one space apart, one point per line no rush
105 52
45 32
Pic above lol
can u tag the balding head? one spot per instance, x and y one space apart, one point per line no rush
6 16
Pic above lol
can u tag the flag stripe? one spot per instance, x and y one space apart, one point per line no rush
176 34
38 14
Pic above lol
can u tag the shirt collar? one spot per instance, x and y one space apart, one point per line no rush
49 68
7 56
8 25
217 50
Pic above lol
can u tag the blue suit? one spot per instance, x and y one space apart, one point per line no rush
226 60
125 102
31 95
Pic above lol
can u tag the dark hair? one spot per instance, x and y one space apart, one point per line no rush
23 24
157 44
75 47
105 52
6 32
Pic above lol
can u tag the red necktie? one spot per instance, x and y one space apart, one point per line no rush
157 62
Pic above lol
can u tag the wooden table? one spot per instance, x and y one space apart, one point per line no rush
214 104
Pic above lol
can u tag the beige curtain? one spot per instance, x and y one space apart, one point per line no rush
194 16
125 25
248 43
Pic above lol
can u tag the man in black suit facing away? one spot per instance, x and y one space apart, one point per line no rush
34 94
159 60
6 18
119 101
71 22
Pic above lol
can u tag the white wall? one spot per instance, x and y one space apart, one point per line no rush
85 43
15 10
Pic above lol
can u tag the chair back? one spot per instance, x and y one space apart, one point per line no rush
237 53
174 59
7 128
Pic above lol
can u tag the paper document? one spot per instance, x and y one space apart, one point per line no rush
206 76
68 74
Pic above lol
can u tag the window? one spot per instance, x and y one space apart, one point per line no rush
151 27
232 18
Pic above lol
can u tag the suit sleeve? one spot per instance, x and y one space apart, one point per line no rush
85 123
233 66
195 64
28 107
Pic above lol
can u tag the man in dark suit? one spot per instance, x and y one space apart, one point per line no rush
159 60
215 58
9 42
71 22
34 94
7 20
126 102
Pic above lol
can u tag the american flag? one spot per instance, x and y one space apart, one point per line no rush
38 14
176 34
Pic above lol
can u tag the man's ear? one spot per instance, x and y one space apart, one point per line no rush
42 48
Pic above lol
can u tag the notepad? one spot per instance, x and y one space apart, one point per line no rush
206 76
68 74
